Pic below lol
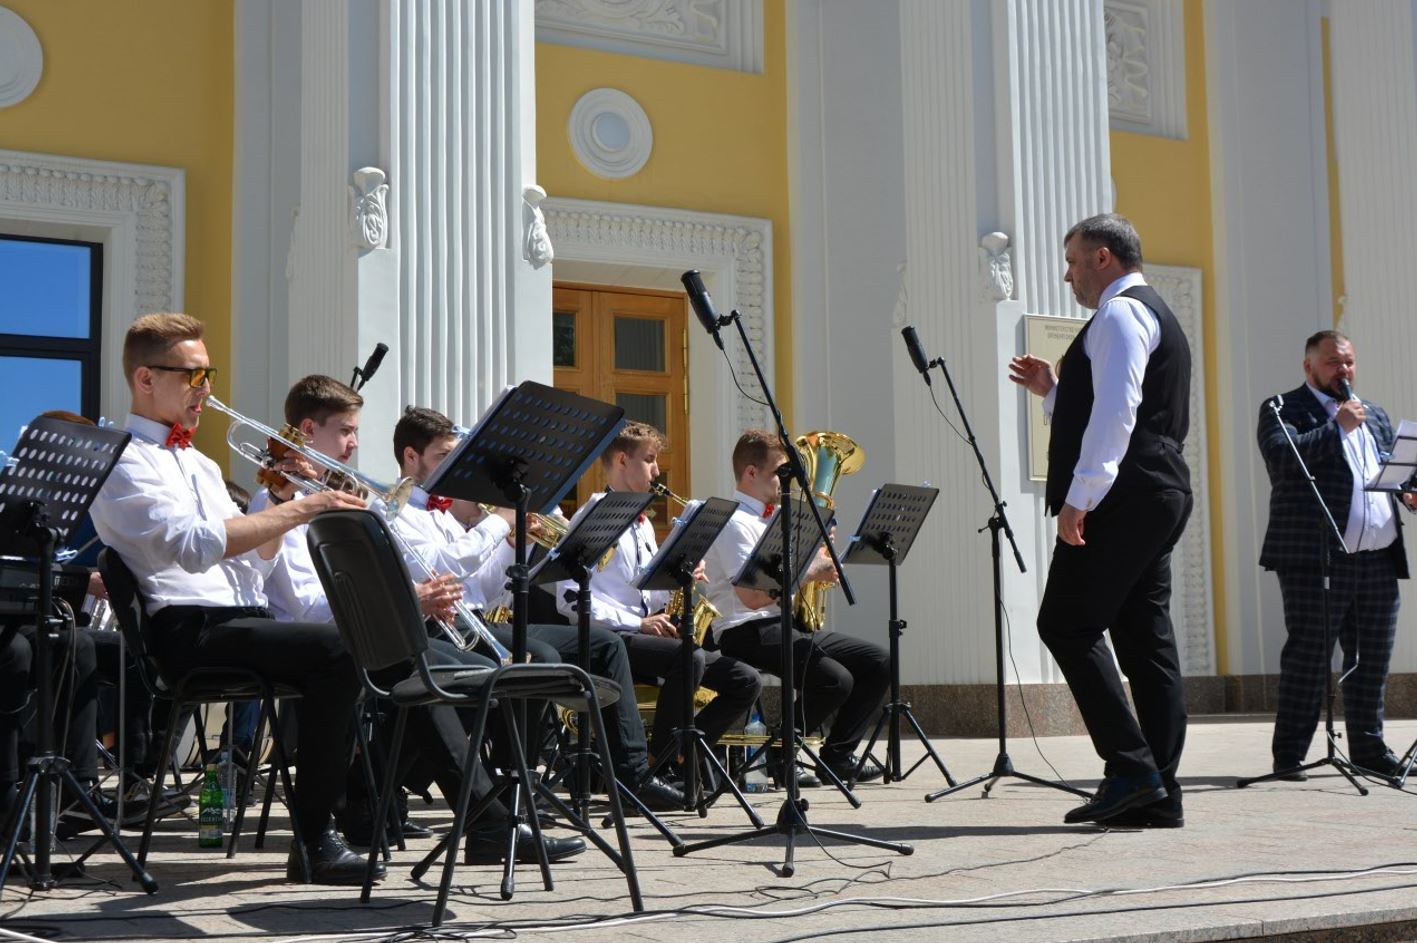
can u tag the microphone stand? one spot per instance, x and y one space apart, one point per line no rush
792 815
998 522
1330 757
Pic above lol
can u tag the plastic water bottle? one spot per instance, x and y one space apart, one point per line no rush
755 778
210 827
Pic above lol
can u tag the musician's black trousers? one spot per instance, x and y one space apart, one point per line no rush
75 677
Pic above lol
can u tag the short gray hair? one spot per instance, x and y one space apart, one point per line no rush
1113 232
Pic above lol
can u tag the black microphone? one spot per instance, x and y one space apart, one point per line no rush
916 352
702 304
366 372
1345 391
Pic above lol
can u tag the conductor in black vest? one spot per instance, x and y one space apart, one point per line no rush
1119 404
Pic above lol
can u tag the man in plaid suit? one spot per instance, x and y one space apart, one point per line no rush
1343 440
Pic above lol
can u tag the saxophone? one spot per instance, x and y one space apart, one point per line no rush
704 611
827 456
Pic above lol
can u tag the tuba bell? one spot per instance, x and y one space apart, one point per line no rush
827 456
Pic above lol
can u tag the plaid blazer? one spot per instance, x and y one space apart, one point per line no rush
1290 540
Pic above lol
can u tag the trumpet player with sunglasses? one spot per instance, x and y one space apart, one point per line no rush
649 632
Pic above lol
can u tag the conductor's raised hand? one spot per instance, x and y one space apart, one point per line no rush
1033 374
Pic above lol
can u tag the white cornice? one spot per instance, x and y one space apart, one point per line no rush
727 34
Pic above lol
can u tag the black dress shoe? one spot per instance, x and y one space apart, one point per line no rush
845 768
1291 772
1116 795
331 862
659 796
490 844
1383 764
1167 813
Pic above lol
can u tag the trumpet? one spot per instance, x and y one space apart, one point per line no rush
386 500
704 611
548 530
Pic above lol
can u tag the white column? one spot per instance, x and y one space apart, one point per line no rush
440 258
1375 135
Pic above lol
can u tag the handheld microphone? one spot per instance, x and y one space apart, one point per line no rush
1345 391
365 373
916 352
702 304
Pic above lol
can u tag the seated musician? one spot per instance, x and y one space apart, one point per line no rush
835 672
651 635
479 556
326 412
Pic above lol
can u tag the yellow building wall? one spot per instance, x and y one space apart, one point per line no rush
1163 186
153 87
720 144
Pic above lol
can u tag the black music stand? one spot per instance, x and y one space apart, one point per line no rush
58 470
1325 525
526 452
575 558
673 568
885 536
777 566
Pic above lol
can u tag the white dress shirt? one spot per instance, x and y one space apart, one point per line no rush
1120 340
726 557
1371 522
294 588
163 510
615 603
472 555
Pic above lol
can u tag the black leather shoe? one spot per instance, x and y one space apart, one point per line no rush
1292 772
1167 813
489 844
1116 795
331 862
659 796
846 768
1383 764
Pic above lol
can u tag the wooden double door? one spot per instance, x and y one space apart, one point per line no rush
628 347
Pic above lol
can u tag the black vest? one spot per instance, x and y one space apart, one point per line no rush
1153 461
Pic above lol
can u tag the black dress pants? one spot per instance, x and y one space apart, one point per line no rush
75 690
834 672
1120 581
657 660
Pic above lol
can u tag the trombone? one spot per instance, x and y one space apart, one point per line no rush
384 499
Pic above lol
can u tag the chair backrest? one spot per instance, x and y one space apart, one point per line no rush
127 602
368 588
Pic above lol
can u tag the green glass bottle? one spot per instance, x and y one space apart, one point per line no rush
210 817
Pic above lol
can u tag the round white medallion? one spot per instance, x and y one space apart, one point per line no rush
21 59
610 133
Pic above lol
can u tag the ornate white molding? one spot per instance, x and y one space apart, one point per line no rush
536 243
723 33
1146 66
996 268
733 252
369 208
1194 614
136 211
21 58
610 133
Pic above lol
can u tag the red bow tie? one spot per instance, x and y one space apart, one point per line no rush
767 510
437 503
642 518
179 437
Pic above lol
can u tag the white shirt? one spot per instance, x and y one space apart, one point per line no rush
472 555
163 510
1371 522
726 557
294 588
1121 339
615 603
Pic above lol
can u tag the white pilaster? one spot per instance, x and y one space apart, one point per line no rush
1375 135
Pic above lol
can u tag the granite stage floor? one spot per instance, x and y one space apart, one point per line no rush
1310 861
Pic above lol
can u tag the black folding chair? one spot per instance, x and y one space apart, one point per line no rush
211 685
377 613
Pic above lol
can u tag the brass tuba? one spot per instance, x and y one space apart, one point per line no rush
826 456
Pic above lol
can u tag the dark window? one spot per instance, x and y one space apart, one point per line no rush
50 329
